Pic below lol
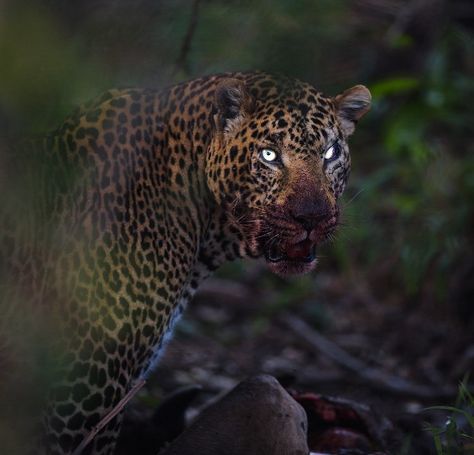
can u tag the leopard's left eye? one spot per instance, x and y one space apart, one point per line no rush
332 153
269 155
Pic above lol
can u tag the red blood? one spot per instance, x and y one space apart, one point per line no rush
299 251
337 438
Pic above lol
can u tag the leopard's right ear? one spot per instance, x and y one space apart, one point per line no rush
351 105
233 103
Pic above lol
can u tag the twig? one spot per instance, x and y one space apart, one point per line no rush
404 16
225 291
374 376
121 404
181 61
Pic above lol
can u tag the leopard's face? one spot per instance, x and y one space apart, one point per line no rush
279 164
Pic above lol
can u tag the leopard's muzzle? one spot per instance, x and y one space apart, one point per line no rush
293 238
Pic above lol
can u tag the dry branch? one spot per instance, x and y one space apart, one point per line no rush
181 62
373 376
116 410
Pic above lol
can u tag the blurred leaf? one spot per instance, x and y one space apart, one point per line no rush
393 86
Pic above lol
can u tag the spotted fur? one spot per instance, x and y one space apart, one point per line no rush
141 195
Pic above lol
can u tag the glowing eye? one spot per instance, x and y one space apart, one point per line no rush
332 153
268 155
329 153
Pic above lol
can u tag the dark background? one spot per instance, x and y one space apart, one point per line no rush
395 289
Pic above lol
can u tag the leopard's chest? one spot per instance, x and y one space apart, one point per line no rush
166 322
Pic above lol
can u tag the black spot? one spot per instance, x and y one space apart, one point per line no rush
125 333
118 102
109 138
109 323
179 180
148 331
162 292
111 368
65 410
93 132
108 396
135 108
80 392
86 350
101 378
233 152
99 356
304 108
93 402
93 374
279 114
137 121
80 133
135 95
93 420
76 421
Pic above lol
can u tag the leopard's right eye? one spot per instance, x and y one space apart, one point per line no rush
332 153
329 153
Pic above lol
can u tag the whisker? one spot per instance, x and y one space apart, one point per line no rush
346 204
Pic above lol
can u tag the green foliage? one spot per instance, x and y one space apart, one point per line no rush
44 76
413 205
456 435
266 31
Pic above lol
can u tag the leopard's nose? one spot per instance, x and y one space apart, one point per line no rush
311 212
310 221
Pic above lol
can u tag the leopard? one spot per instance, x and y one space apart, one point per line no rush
136 198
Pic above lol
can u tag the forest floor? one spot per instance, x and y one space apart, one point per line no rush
323 335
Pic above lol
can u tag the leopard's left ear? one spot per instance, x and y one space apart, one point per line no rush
233 102
351 105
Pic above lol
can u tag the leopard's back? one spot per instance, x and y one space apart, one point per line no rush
86 252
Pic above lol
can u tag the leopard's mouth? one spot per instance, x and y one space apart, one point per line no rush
291 258
304 251
288 248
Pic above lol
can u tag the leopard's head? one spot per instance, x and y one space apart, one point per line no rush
279 161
